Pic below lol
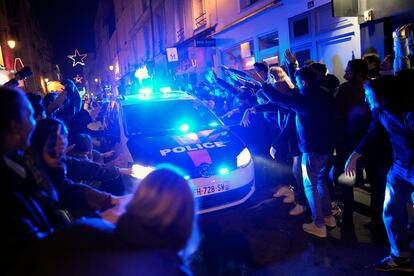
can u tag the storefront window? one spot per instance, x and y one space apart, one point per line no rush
273 60
2 66
240 56
269 41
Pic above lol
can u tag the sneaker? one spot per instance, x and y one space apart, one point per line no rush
392 263
282 191
289 198
297 210
330 221
311 228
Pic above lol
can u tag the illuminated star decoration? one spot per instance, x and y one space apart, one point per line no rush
78 58
78 79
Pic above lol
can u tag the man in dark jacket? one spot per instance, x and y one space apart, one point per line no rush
353 117
314 124
392 108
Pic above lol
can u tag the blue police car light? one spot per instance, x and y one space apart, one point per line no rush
142 73
224 171
244 158
145 90
165 89
184 127
213 124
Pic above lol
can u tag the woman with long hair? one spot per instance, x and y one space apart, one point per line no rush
47 154
155 234
283 82
164 208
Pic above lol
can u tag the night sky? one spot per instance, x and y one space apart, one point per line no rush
68 25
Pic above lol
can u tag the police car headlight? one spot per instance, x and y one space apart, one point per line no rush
244 158
140 172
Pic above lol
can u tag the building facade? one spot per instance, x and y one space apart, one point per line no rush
6 53
180 40
31 49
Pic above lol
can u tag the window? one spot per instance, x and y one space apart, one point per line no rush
199 14
269 41
303 56
300 27
345 8
149 117
247 3
179 19
239 57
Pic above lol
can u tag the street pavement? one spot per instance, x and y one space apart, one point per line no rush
259 237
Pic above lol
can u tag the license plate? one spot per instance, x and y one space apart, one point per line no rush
210 189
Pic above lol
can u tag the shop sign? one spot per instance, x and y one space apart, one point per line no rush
172 54
205 42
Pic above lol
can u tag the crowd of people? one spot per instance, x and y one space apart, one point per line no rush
65 202
334 136
60 193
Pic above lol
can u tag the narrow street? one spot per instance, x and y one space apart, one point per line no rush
261 238
130 127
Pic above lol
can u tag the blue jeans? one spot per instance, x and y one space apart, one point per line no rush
398 192
315 180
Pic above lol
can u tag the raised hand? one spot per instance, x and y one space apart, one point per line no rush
245 121
230 113
290 58
403 31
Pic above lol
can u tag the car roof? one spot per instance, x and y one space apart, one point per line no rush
156 97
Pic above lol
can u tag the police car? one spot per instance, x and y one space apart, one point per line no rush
176 128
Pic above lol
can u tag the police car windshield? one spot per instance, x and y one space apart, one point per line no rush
165 116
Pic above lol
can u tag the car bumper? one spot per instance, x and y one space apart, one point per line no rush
241 185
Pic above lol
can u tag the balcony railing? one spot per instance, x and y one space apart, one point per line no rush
180 34
201 20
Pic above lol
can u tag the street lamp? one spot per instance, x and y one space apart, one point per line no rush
96 80
46 80
111 67
11 43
